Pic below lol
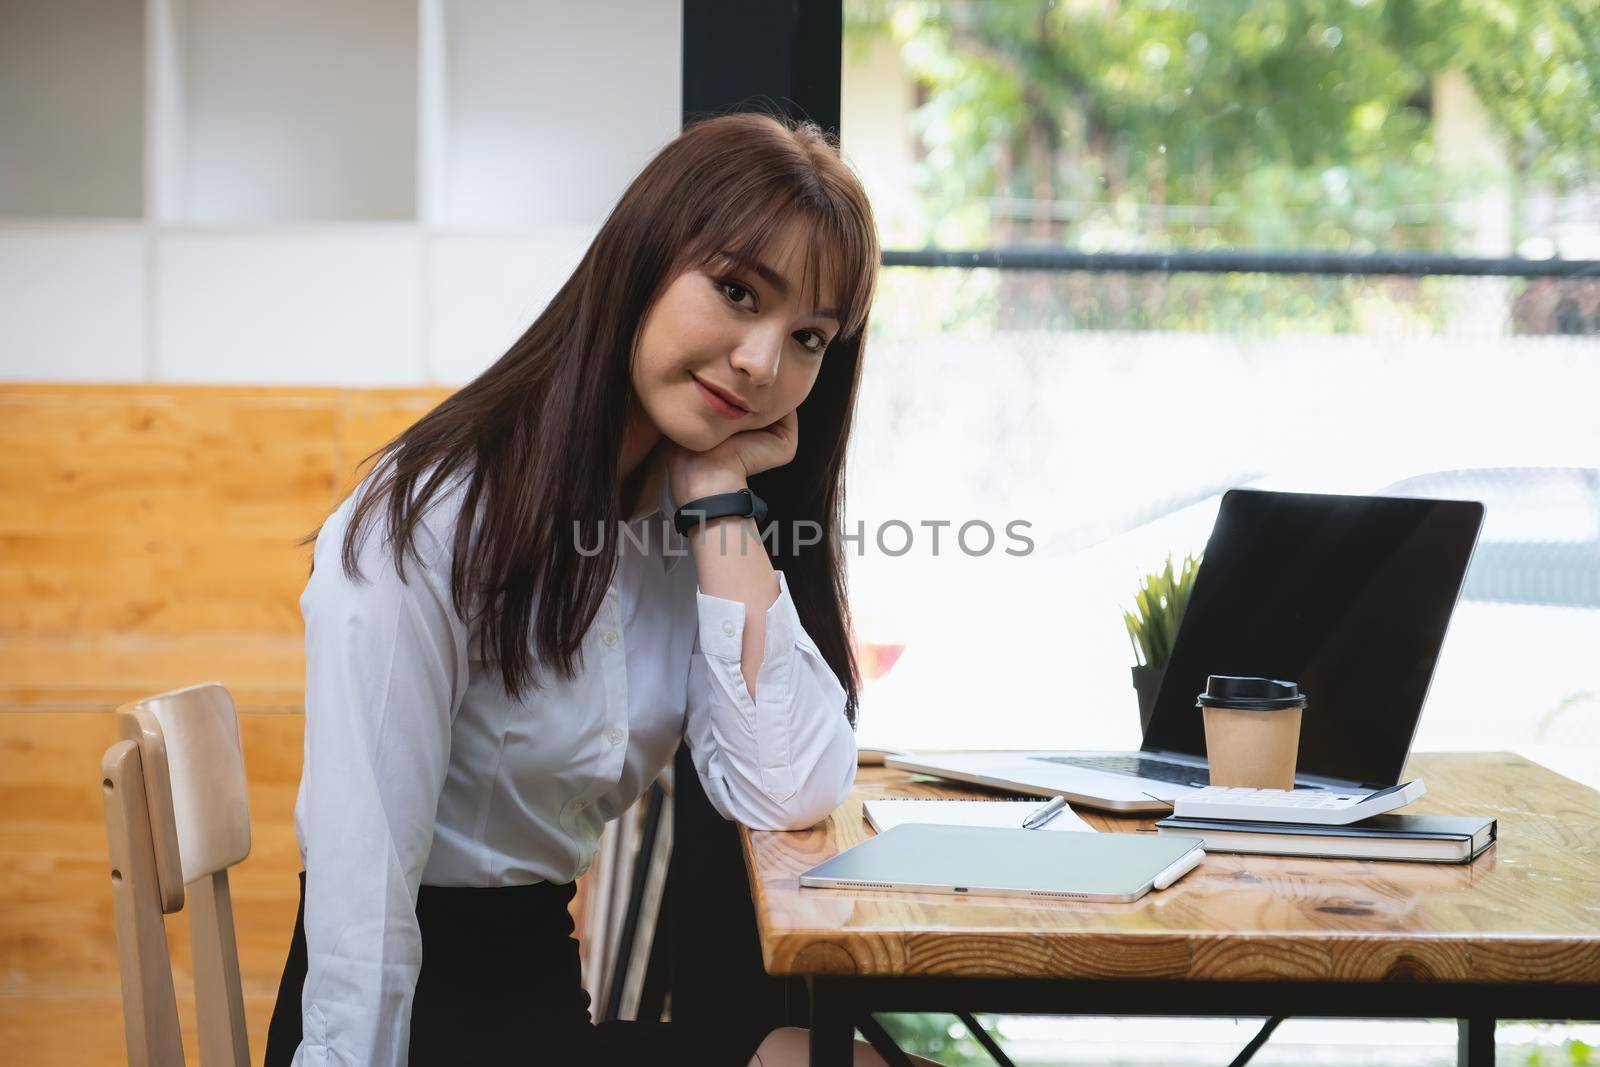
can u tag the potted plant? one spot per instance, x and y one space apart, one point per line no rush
1160 601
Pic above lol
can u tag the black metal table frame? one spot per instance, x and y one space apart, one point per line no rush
838 1001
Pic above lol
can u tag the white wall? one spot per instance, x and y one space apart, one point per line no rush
73 301
547 104
297 110
71 111
356 193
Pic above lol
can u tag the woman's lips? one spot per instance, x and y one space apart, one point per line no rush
719 405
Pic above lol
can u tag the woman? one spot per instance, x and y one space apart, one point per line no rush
504 646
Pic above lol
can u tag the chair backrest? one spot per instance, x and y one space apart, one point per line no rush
177 817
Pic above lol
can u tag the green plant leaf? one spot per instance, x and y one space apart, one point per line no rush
1140 657
1161 600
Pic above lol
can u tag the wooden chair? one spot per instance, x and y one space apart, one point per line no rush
177 818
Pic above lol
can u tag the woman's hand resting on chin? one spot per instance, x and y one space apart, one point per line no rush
728 467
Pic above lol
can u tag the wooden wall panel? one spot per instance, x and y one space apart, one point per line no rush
77 1030
148 540
102 671
149 534
368 419
57 931
125 582
171 459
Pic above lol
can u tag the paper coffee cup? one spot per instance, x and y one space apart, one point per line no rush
1252 730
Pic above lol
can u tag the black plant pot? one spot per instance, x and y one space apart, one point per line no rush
1147 683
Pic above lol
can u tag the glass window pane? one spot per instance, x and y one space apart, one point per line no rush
1109 410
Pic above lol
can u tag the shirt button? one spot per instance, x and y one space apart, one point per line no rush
610 638
727 628
614 735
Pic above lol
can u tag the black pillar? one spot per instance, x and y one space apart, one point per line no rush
775 56
766 55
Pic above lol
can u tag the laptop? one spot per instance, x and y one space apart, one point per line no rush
1349 596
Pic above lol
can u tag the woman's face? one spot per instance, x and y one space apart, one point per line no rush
730 348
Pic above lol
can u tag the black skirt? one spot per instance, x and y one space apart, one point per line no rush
500 983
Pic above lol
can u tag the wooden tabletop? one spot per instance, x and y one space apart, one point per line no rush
1526 910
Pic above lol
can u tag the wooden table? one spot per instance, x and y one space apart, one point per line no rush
1515 934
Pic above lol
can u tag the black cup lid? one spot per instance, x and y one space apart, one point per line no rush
1249 694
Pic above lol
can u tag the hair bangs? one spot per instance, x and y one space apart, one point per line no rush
840 247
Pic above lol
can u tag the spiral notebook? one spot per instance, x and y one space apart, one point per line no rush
1006 814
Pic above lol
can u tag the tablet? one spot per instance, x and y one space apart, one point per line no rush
987 861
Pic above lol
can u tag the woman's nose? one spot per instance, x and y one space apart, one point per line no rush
758 354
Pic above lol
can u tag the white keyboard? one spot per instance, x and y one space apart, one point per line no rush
1318 807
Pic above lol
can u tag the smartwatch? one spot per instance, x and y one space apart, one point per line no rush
704 509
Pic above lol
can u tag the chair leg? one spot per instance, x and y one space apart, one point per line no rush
638 918
149 1005
218 990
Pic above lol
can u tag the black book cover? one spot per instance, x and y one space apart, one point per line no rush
1408 827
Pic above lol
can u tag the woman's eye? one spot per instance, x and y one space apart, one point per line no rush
812 341
737 293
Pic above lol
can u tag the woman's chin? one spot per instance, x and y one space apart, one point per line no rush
694 436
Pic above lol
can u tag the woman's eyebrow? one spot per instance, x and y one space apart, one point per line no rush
777 281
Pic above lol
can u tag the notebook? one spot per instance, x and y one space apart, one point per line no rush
1008 814
1412 838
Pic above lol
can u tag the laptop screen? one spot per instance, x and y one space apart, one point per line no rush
1347 595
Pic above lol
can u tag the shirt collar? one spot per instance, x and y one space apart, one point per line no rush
656 506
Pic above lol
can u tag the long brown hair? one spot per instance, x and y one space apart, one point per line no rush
536 439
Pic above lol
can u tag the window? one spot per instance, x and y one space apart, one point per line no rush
1271 151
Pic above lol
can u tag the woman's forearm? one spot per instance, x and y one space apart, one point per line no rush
732 563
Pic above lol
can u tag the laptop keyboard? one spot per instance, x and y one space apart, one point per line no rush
1138 766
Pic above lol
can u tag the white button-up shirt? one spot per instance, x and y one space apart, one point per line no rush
419 768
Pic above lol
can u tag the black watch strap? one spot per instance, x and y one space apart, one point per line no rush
706 508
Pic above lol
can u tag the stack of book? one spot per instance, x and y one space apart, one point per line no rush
1304 822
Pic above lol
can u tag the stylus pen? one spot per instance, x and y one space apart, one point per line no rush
1186 863
1044 814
